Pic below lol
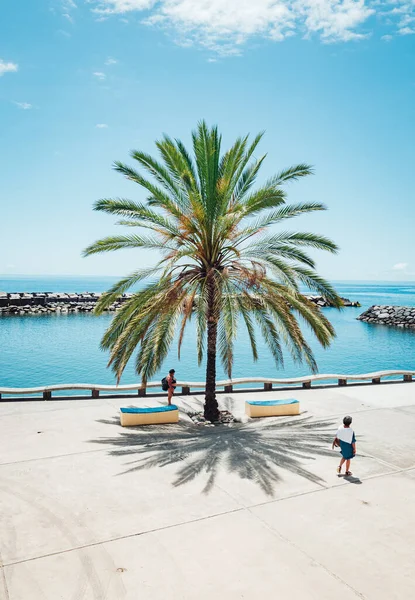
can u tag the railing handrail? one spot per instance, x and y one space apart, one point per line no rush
307 379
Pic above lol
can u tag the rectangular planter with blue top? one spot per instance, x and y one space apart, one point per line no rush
272 408
149 416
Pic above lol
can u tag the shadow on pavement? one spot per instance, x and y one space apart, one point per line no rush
352 479
254 451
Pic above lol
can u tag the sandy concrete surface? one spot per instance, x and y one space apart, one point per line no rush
93 511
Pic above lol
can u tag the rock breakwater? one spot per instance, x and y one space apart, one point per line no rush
53 302
324 303
395 316
49 302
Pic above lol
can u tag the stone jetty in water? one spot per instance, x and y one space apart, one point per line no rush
53 302
324 303
395 316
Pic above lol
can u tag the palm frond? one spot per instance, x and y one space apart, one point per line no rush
292 173
157 170
287 211
119 288
158 197
121 242
311 240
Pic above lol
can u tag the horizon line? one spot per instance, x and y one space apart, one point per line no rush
85 276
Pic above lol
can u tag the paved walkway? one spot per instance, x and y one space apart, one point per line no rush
90 511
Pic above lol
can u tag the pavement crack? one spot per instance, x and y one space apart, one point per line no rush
29 460
121 537
3 580
286 540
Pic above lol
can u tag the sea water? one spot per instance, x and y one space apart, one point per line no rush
38 350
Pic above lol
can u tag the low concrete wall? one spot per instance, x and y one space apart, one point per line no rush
228 385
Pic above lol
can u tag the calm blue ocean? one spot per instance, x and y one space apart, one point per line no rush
40 350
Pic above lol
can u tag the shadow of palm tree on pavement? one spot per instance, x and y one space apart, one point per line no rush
255 451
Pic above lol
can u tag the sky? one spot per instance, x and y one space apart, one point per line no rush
83 82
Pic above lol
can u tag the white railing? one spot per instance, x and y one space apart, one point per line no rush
187 386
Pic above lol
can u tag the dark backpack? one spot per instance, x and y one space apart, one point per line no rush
164 384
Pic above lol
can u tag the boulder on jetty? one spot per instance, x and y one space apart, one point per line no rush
395 316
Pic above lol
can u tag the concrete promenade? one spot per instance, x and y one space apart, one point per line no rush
91 511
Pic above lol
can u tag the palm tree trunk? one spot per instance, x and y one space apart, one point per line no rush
211 409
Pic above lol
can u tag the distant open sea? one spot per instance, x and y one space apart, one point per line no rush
38 350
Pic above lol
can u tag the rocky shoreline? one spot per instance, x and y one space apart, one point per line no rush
39 303
395 316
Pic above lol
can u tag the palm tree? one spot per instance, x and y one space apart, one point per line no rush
219 263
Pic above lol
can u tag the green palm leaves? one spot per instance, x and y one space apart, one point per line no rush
221 263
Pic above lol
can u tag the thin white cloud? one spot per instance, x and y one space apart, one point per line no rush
225 25
111 61
400 266
212 60
66 8
403 12
99 75
23 105
68 17
64 33
123 6
407 30
101 126
387 38
7 67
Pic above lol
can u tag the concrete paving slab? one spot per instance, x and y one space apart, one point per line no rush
66 429
362 467
248 492
365 534
385 395
85 574
387 435
408 409
410 473
31 406
230 557
330 401
56 504
50 433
